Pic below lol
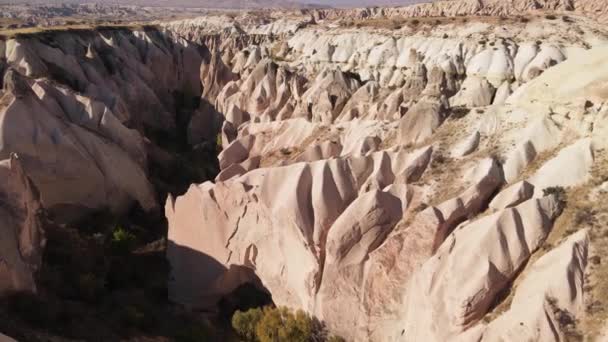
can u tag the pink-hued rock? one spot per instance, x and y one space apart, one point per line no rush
570 167
73 163
4 338
380 289
513 195
467 146
487 178
362 104
22 238
328 94
325 150
361 229
421 121
455 287
215 75
551 290
272 220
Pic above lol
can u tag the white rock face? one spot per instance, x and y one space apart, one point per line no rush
513 195
570 167
435 309
475 92
467 146
553 290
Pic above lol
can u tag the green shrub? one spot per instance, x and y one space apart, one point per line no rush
218 142
245 323
122 240
281 325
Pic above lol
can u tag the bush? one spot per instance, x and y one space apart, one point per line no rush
550 17
245 323
559 193
279 324
415 22
459 112
218 142
122 240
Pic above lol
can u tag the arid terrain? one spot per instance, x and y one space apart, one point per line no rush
433 172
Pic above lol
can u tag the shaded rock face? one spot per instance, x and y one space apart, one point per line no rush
22 235
84 110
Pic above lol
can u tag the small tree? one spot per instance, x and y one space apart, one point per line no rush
280 325
245 323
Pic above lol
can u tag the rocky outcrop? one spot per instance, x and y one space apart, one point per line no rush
296 221
481 273
75 160
394 183
22 239
358 185
547 299
468 8
81 110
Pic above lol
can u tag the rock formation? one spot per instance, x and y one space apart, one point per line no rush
22 235
398 185
395 179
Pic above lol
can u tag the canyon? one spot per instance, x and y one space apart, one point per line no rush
435 172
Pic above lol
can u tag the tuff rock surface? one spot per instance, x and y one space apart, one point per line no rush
395 180
395 184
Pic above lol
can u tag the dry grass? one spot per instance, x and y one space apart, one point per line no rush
418 23
28 31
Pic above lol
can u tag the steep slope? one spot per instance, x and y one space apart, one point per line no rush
22 235
98 98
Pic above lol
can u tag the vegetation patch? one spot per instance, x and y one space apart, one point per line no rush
279 324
